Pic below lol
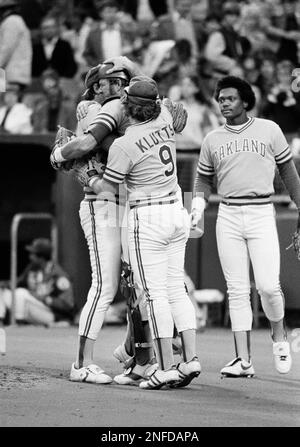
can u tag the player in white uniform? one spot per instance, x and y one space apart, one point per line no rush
100 216
100 219
243 155
158 227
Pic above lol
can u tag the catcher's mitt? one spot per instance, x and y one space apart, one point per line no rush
178 112
84 170
296 241
62 137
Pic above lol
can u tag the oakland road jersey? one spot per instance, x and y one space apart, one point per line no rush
244 157
146 157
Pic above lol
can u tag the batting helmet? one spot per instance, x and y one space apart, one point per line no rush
100 72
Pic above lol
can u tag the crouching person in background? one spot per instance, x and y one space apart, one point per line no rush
44 293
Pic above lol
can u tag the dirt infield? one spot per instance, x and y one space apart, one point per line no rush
35 390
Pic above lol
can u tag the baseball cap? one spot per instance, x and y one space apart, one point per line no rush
141 90
40 247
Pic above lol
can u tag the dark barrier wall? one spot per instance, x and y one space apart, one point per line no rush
26 183
29 184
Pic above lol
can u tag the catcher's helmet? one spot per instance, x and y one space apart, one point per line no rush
100 72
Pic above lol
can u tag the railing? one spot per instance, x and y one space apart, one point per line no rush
18 218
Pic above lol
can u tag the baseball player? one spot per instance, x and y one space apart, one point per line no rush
110 118
100 220
243 155
158 227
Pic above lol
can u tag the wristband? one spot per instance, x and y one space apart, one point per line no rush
93 179
57 155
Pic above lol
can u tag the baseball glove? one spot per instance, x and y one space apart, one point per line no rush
178 112
62 137
84 170
296 241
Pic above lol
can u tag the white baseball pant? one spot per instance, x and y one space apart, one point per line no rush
248 233
100 221
157 240
27 307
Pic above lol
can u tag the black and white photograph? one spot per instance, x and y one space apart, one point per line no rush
149 220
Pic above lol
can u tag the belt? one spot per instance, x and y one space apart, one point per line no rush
92 197
246 200
152 202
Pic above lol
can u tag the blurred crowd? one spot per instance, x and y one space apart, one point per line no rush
47 47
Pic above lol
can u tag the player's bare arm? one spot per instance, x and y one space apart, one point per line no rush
124 63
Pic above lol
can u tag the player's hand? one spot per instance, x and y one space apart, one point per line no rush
198 207
82 109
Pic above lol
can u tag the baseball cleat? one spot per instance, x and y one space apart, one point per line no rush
160 378
89 374
238 367
282 356
2 341
121 354
134 374
187 372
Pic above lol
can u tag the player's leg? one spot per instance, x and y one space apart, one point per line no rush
148 255
102 232
182 308
265 256
234 259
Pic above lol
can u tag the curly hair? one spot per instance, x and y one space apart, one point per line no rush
149 111
244 88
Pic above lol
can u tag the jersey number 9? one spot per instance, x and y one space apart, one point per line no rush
165 156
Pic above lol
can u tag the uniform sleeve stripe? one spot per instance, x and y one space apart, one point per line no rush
112 178
282 152
106 116
200 171
112 170
204 165
205 168
109 123
283 160
102 123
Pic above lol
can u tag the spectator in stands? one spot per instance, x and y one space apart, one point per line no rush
111 36
51 51
266 77
288 48
283 104
253 27
144 10
168 61
76 30
15 44
44 293
201 117
52 107
15 117
226 47
181 24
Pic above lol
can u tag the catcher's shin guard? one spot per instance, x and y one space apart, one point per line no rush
136 325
